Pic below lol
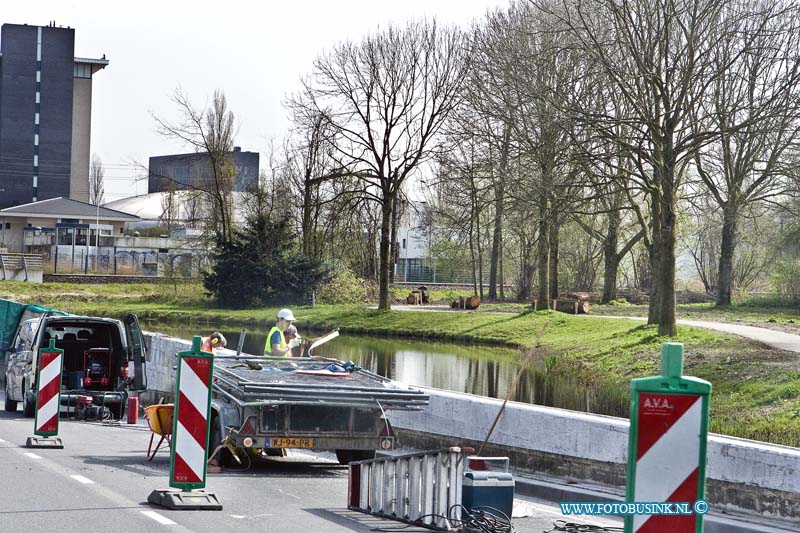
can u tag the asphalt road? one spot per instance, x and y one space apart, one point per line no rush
101 479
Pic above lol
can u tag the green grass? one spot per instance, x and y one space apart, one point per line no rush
756 390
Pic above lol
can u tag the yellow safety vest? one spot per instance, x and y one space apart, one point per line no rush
268 347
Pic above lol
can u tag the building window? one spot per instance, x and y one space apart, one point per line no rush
65 236
404 244
82 70
80 236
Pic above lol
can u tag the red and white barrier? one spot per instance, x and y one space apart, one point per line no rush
667 465
190 428
49 396
191 422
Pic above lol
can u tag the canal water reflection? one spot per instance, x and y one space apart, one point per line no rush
482 370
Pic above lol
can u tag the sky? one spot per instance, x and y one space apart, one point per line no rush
256 52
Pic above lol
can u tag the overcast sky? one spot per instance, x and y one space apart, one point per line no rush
255 52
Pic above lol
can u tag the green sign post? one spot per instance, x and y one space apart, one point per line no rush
667 446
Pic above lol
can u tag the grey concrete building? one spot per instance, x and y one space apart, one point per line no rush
193 171
45 115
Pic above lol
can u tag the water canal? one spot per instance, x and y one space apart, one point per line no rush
475 369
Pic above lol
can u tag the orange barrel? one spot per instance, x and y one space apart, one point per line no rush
133 410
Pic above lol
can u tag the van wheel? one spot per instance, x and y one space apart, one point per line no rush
29 406
11 405
348 456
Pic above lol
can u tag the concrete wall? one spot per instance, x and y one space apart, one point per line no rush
743 476
81 138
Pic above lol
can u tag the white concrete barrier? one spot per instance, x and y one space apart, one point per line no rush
595 437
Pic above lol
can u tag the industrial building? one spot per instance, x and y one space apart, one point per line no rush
45 115
193 171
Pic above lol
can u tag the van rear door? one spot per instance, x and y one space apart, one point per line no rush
136 350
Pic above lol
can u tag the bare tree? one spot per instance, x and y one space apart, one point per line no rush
757 83
210 131
659 57
385 100
96 175
170 208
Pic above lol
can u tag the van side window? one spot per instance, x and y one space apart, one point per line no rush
25 336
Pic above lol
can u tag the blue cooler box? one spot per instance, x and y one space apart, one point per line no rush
488 489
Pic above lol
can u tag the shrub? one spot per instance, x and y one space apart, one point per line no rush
259 267
786 281
343 287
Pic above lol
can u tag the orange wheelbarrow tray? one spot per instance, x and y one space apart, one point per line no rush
159 419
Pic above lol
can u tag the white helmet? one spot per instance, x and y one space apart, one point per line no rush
286 314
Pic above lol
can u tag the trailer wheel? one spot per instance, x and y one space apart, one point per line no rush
11 405
348 456
223 456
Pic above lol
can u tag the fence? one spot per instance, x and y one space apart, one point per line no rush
425 271
124 262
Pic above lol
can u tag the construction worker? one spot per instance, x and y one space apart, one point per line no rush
213 341
276 342
291 334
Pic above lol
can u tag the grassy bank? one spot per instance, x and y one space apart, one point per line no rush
756 390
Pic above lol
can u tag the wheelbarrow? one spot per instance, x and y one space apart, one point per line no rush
159 419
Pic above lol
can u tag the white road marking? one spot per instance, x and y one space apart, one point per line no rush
2 441
158 518
84 480
32 455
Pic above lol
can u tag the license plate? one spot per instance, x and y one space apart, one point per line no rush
291 442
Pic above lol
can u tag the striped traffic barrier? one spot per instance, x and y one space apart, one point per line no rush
48 398
667 447
190 430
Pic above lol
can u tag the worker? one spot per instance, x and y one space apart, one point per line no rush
213 341
276 342
291 334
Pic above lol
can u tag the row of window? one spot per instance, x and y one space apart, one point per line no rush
79 236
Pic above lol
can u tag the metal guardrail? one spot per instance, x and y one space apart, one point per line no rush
15 262
418 488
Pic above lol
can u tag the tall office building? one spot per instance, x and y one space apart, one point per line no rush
45 115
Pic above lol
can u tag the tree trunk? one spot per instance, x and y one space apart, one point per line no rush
308 234
611 259
385 252
554 230
665 278
655 263
543 254
394 253
497 236
725 277
502 274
